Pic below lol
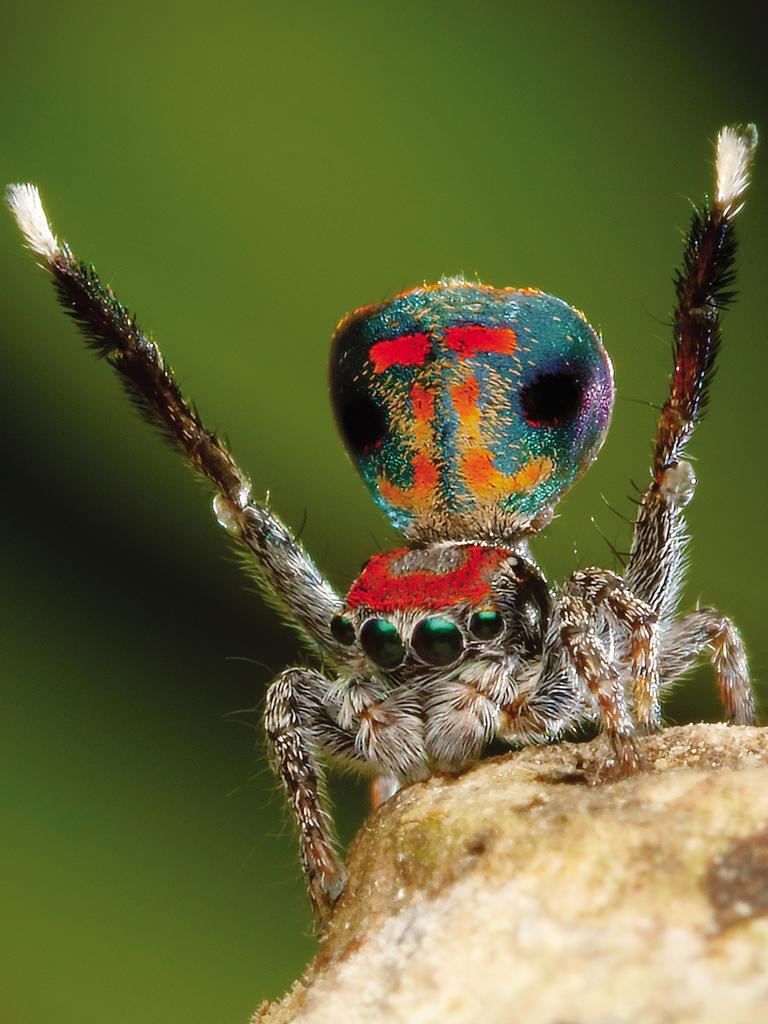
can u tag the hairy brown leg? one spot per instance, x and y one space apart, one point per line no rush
591 664
600 587
293 706
707 630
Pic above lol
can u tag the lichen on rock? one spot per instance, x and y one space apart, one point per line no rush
530 889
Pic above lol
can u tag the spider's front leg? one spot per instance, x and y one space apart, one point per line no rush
573 676
352 721
297 723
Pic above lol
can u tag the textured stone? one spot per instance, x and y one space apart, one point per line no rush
532 889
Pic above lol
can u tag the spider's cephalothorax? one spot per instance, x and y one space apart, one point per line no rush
449 627
469 411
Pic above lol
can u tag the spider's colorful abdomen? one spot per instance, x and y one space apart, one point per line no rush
459 402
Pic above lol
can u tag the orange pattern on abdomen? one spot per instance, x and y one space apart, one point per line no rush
485 481
423 492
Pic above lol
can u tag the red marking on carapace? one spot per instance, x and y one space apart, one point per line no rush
407 350
381 589
423 402
464 397
474 338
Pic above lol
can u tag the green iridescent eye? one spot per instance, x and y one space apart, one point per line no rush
437 641
382 643
342 630
485 625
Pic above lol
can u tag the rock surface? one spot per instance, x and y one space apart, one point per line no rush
527 889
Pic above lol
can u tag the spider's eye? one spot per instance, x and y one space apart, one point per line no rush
485 625
382 643
552 398
342 630
437 641
362 423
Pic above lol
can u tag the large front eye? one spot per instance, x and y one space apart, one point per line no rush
437 641
382 643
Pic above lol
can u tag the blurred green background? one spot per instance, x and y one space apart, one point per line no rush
244 175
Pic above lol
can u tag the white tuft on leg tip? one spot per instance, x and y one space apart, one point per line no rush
735 149
25 205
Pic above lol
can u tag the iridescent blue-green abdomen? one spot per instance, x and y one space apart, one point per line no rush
462 404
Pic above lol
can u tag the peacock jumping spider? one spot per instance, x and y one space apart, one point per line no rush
468 410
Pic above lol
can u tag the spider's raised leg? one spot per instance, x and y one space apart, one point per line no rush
283 567
707 629
703 285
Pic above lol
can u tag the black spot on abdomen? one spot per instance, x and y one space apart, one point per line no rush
552 398
362 423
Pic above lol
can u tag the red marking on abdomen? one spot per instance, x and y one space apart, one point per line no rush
382 590
407 350
423 402
425 475
473 338
464 397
